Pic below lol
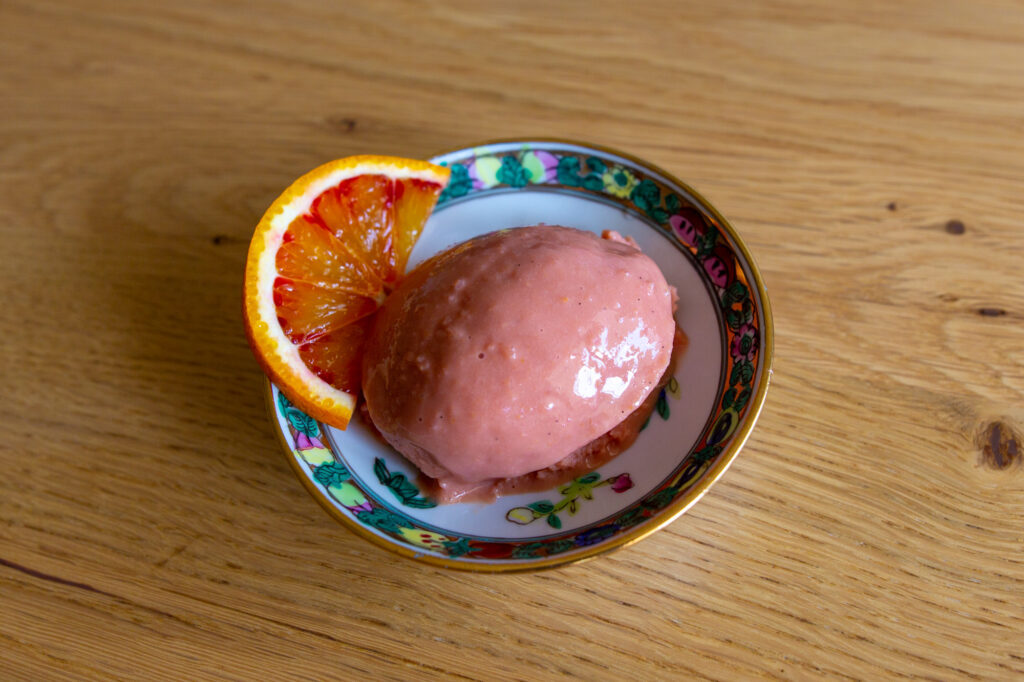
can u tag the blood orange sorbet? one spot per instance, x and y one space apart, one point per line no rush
519 359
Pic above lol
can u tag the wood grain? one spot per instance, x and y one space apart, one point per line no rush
872 155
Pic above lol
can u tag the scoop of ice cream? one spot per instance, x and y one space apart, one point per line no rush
505 353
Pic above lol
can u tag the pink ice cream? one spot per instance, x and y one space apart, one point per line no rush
510 351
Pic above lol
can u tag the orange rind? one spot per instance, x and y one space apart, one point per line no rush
322 260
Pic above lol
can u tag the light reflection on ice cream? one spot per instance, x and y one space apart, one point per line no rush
599 363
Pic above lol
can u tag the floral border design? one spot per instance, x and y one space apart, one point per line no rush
581 488
694 230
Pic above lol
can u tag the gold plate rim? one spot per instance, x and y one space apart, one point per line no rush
670 513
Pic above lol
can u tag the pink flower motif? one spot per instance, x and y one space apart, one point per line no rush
543 166
715 267
688 224
744 344
720 266
621 483
364 507
304 442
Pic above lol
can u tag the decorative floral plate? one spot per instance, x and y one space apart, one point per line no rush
702 418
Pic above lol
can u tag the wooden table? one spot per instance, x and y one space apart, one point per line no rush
871 154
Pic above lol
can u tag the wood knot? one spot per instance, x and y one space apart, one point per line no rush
892 206
1000 446
341 124
955 227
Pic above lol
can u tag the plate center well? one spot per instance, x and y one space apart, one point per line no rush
660 447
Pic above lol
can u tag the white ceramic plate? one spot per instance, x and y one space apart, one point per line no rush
702 419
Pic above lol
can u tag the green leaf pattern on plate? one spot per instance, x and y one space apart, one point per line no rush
580 489
402 488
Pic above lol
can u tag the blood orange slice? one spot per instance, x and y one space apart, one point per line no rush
322 260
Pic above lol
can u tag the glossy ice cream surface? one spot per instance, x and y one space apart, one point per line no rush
510 351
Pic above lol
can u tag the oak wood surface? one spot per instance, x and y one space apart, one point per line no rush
871 154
